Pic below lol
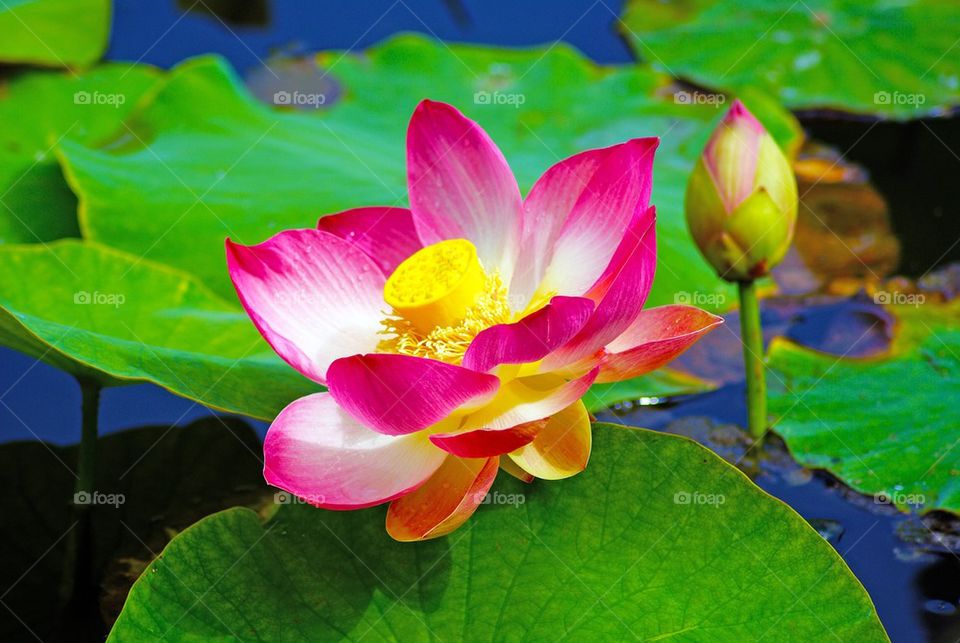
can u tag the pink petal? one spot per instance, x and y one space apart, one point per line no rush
531 338
620 292
485 443
312 295
576 214
655 338
461 186
530 398
386 235
444 502
316 451
396 394
731 155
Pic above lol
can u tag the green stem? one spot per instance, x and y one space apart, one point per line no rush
87 458
78 572
752 336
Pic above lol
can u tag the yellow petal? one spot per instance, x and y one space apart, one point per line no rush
561 449
444 502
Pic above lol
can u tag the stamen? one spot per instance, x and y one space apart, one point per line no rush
449 343
436 285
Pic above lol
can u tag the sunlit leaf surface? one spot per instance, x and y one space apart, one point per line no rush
894 59
658 538
101 313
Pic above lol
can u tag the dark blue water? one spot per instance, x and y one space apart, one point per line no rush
39 402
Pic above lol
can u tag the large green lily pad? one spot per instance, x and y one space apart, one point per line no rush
100 313
893 59
885 425
208 161
658 538
150 481
36 205
54 33
202 160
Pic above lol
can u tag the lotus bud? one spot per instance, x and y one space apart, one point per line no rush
742 199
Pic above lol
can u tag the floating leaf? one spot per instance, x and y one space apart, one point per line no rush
885 425
658 537
35 202
54 33
893 59
216 163
149 481
101 313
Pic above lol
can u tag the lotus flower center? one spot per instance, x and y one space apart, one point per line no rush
441 298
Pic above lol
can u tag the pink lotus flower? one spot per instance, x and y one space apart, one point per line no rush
457 337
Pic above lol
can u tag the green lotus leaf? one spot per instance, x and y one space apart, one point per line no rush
658 538
208 161
36 205
54 33
892 59
103 314
885 425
